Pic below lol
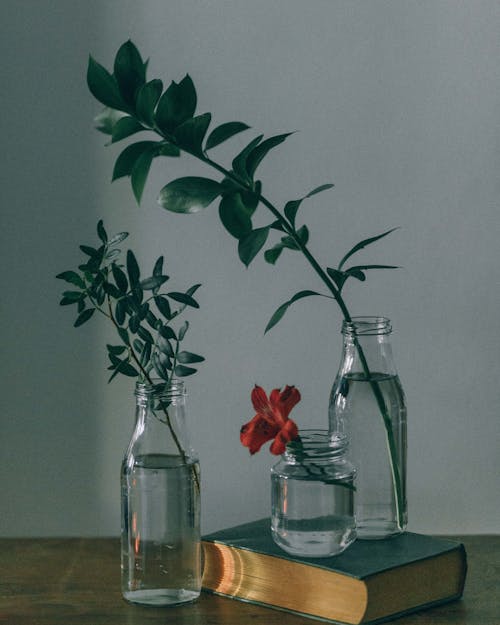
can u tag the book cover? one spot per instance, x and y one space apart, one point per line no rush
371 582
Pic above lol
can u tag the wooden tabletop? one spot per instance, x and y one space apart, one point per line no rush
77 582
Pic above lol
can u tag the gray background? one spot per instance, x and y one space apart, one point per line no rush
397 103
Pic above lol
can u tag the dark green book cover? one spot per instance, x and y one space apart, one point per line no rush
401 563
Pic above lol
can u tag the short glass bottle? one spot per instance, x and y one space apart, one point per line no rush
160 485
367 404
312 487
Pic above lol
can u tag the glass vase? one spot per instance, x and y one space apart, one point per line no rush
312 485
160 495
367 405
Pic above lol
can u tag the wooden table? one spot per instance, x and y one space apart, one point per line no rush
77 582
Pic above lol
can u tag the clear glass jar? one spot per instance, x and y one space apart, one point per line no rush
312 486
367 405
160 494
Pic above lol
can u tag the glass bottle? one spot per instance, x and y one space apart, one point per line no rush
367 405
312 485
160 495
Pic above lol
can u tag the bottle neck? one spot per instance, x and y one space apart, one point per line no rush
371 336
160 427
315 447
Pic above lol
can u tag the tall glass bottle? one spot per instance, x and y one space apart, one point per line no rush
160 485
367 405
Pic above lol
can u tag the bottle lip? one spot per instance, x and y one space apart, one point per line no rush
160 388
366 326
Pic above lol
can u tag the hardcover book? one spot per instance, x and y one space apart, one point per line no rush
371 582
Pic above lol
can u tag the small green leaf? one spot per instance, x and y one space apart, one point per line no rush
140 171
129 70
127 369
133 323
74 296
182 330
160 365
158 268
103 86
190 134
278 314
72 277
224 132
256 156
249 246
189 195
146 101
181 371
116 349
101 232
145 354
167 333
235 216
239 163
84 316
176 105
124 335
145 335
128 158
165 346
183 298
337 276
120 278
163 306
323 187
120 311
187 358
106 120
132 269
125 127
117 238
149 284
363 244
168 149
291 209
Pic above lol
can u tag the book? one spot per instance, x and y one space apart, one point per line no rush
371 582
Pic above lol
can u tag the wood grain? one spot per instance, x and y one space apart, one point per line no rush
76 581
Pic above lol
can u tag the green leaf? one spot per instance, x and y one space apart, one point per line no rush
127 369
339 277
120 311
181 371
146 100
224 132
189 195
278 314
133 323
167 333
257 154
84 316
72 277
163 306
106 120
140 171
190 134
129 70
149 284
120 278
165 346
117 238
74 296
239 163
133 269
272 255
249 246
158 268
160 365
103 86
183 298
234 216
101 232
182 330
145 335
363 244
168 149
323 187
145 354
187 358
128 158
291 209
364 267
116 349
176 105
125 127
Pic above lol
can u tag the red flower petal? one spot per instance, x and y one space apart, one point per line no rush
288 433
257 432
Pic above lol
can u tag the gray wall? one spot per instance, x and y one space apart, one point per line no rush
397 103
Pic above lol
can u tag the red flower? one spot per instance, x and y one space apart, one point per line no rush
271 420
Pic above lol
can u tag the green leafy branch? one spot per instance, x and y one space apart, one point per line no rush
141 313
136 105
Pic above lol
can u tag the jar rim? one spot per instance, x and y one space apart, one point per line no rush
317 443
366 326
